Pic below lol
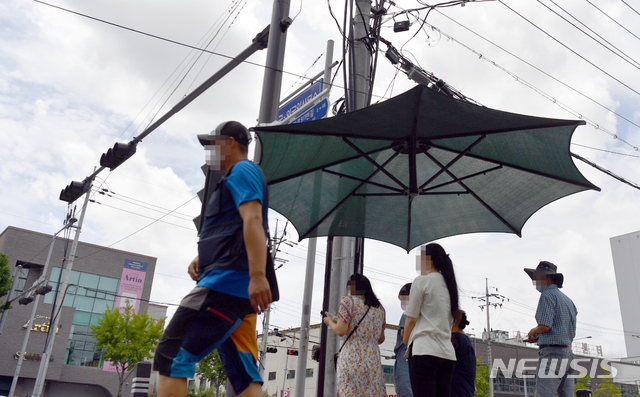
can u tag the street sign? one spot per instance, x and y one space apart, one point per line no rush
300 100
316 112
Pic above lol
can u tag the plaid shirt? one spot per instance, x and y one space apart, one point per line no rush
557 311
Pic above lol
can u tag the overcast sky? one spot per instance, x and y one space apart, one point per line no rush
71 86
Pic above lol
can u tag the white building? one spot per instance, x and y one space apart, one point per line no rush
280 367
625 250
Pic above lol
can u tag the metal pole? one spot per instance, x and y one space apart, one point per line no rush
323 327
44 364
304 321
10 295
311 261
270 100
488 339
16 375
272 82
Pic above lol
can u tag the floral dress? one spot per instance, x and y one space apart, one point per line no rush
359 372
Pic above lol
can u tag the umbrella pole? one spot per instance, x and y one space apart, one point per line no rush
323 328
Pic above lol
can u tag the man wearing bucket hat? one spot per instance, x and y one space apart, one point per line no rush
235 279
556 318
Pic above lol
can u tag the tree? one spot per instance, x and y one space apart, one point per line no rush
126 338
5 280
607 388
482 379
210 368
582 383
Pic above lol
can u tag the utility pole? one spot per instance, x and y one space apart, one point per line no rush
486 298
271 87
10 295
68 223
38 388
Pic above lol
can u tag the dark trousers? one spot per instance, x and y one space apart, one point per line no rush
430 376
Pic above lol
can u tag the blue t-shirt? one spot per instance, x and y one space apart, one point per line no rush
245 183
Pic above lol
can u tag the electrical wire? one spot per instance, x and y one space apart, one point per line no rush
618 23
633 9
539 91
570 49
619 54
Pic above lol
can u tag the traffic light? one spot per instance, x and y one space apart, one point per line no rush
272 350
44 289
74 190
25 300
118 154
39 286
315 353
292 352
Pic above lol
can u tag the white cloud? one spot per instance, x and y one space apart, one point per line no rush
69 86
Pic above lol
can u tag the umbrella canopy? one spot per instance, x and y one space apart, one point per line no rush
417 167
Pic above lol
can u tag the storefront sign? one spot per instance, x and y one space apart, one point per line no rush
30 357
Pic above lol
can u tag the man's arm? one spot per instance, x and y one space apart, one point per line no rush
537 330
255 242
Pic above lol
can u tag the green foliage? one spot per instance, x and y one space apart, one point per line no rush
210 392
126 338
607 388
5 279
582 383
210 368
482 379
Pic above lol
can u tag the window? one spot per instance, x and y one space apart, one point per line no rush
387 370
22 280
309 373
272 376
291 374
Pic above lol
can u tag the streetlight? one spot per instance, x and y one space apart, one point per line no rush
68 223
585 337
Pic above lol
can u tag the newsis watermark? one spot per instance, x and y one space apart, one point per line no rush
526 368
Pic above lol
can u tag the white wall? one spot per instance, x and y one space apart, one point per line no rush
625 250
281 363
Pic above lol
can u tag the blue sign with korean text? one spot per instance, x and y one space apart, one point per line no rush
316 112
300 100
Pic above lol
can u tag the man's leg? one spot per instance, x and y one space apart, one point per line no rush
253 390
172 387
548 378
238 354
567 384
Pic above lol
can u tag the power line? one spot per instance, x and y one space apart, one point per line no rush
539 91
618 23
592 38
568 48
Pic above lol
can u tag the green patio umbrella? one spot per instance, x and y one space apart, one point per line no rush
417 167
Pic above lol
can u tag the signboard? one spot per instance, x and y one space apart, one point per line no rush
131 284
316 112
130 291
300 100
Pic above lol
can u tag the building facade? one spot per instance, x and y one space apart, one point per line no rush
101 277
625 250
507 353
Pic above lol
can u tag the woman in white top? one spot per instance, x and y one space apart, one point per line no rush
433 301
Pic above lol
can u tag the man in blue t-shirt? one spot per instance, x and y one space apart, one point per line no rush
234 279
